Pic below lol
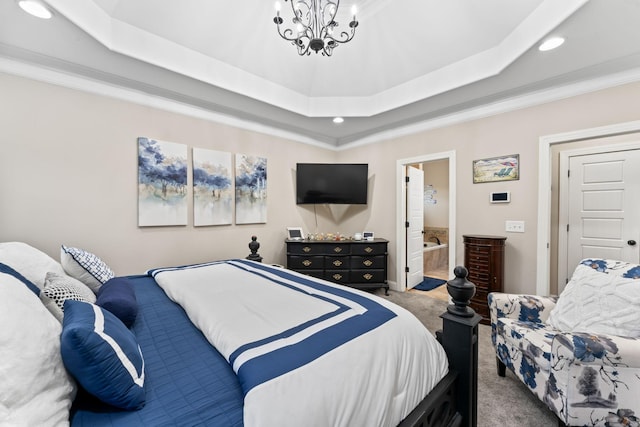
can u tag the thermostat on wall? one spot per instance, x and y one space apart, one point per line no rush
500 197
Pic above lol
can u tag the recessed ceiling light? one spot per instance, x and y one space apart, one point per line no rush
551 43
35 8
338 120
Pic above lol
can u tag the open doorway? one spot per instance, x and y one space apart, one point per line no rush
447 163
436 219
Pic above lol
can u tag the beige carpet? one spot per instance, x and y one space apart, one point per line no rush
501 401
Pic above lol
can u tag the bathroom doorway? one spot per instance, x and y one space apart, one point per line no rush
439 216
436 218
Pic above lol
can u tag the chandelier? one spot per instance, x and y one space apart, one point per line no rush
315 26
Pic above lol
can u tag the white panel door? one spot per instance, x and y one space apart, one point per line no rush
415 217
604 208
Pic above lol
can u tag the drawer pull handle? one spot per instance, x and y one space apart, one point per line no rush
306 263
337 276
368 262
337 249
368 249
368 276
306 249
337 263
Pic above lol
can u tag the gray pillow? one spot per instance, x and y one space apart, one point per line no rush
58 288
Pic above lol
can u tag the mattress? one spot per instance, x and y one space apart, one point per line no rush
306 351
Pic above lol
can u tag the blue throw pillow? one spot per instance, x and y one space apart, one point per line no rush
102 355
117 296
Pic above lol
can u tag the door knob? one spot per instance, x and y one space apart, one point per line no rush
631 242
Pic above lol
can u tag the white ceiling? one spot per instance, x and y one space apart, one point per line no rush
411 61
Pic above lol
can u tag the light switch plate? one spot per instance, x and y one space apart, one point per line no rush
514 226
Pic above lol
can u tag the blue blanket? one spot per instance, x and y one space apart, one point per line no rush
186 378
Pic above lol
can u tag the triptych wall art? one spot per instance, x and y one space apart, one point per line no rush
162 186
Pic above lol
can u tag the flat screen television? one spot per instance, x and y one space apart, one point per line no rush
336 183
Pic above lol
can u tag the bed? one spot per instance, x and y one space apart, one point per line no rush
225 343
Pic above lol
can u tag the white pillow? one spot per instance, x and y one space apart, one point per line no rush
36 388
28 261
599 303
85 266
58 288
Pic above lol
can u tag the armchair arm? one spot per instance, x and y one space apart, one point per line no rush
531 308
596 350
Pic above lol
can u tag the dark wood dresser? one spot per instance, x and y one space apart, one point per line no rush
484 259
360 264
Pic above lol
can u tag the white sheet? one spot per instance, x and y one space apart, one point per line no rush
375 379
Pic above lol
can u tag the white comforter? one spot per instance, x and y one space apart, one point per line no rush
310 353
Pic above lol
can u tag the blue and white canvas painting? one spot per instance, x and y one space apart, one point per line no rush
162 183
251 189
212 189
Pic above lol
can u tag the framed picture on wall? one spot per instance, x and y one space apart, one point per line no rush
494 169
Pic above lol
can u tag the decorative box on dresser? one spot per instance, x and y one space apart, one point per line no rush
360 264
484 260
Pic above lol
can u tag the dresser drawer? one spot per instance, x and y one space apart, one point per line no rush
325 248
305 262
337 276
483 259
303 249
368 276
369 249
479 277
336 262
362 262
480 296
479 250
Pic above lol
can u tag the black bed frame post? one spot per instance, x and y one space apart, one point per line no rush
459 337
254 245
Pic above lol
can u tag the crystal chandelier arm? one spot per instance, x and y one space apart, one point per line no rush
315 23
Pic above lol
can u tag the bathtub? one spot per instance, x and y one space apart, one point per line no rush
435 256
433 246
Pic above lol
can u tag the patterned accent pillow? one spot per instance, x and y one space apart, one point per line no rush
102 355
85 266
598 303
59 288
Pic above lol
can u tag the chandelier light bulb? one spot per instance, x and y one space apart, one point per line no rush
277 6
354 10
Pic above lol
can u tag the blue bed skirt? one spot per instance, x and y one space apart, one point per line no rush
187 381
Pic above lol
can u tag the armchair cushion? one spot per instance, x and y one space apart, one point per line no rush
602 297
585 377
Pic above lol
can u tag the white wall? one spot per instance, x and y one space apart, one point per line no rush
436 175
68 175
515 132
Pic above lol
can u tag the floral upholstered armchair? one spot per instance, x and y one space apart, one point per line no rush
578 353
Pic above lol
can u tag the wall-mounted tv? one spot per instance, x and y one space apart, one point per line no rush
336 183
